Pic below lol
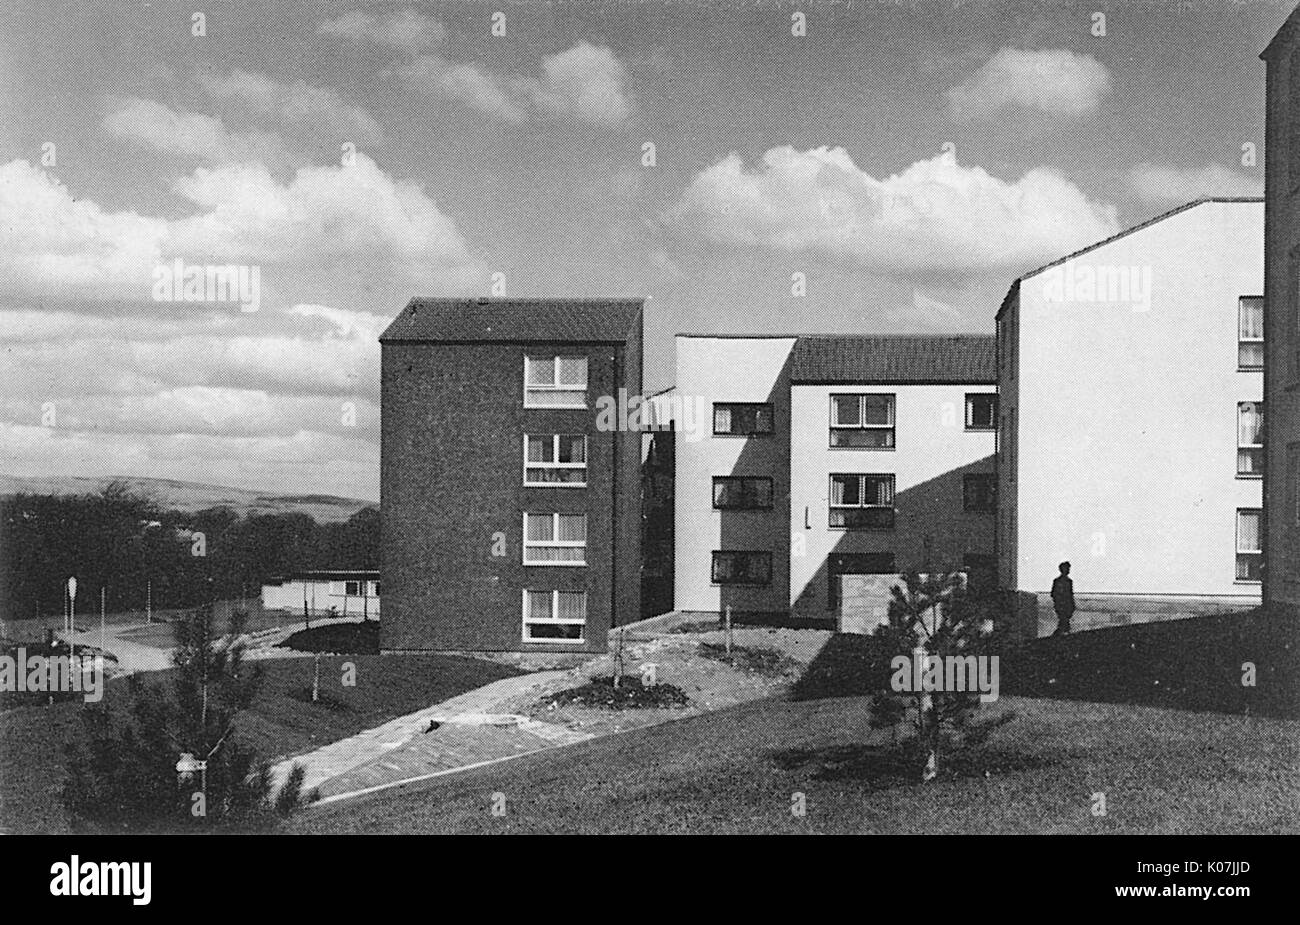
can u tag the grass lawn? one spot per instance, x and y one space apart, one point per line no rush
736 771
1193 664
283 721
1143 714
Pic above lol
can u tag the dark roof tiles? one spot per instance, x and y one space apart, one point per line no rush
514 320
895 358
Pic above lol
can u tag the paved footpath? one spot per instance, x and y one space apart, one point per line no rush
469 732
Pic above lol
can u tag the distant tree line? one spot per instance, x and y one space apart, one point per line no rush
122 540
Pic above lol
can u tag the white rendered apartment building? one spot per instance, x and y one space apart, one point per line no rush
830 455
1130 389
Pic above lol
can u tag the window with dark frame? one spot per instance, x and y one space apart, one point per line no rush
981 410
864 422
1250 438
1250 332
861 501
979 491
1250 548
736 419
742 568
741 493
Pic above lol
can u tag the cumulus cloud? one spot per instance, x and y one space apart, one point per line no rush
1052 81
935 216
52 243
1174 186
586 83
297 103
150 124
325 217
405 30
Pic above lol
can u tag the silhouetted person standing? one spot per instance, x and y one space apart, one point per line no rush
1063 600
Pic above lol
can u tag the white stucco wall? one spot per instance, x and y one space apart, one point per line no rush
932 450
744 369
1125 452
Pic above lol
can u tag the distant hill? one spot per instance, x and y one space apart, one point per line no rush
193 496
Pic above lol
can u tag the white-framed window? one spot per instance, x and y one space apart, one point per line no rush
981 410
555 539
554 616
1250 438
555 381
862 502
352 588
555 460
374 589
864 422
1250 546
1250 332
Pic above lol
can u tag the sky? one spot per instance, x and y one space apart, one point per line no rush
908 160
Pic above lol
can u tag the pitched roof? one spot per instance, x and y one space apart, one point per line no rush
1285 34
514 320
1015 285
898 358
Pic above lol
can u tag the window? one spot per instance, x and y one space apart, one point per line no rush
374 589
862 502
742 568
981 410
351 588
979 492
862 421
555 382
1250 549
555 539
1250 438
741 418
555 460
731 493
1250 332
554 616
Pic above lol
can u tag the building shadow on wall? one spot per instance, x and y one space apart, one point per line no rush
760 530
932 532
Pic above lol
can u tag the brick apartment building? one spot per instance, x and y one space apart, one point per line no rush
1130 440
1282 319
511 509
819 457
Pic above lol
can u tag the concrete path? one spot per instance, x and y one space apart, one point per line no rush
469 733
131 656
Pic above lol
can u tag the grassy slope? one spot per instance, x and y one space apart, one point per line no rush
280 724
1162 770
735 771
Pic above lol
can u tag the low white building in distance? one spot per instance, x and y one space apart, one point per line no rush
325 593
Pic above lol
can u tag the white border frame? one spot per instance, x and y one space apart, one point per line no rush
556 543
555 450
553 620
555 385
